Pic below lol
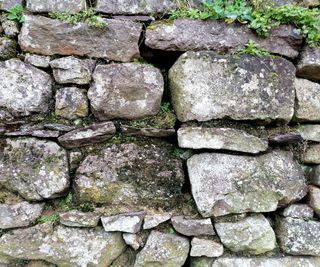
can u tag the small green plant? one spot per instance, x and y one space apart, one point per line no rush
177 152
251 48
15 13
86 207
65 203
48 218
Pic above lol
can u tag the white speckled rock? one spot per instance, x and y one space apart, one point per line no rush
308 66
127 91
128 223
70 6
310 132
204 247
10 27
314 199
192 227
132 240
75 218
312 154
298 211
153 220
37 60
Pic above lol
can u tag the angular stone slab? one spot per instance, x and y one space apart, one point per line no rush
205 247
163 250
314 199
298 211
192 227
312 154
196 35
128 223
127 91
308 66
37 60
207 86
150 132
222 184
24 89
36 169
76 218
252 234
47 36
220 138
299 237
70 6
19 215
310 132
135 7
132 240
153 220
63 246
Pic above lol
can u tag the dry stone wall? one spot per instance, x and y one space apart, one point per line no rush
150 142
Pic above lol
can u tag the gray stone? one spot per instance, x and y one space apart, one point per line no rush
252 234
36 169
222 184
132 240
75 218
192 227
149 132
128 173
34 133
70 6
207 86
59 127
312 154
205 247
310 132
37 60
299 237
298 211
314 199
8 48
153 220
9 27
7 4
308 66
24 89
41 35
75 157
221 37
220 138
127 91
315 175
135 7
308 100
96 133
19 215
128 223
163 250
72 70
63 246
71 103
201 262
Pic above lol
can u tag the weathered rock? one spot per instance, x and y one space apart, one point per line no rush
96 133
299 237
37 60
220 138
207 86
59 127
136 7
70 6
201 262
8 48
132 240
128 223
75 218
163 250
308 66
72 70
298 211
7 4
63 246
24 89
222 184
19 215
150 132
75 158
128 173
310 132
153 220
314 199
46 36
34 133
252 234
39 264
315 175
196 35
10 27
36 169
205 247
128 91
192 227
286 138
312 154
308 100
71 103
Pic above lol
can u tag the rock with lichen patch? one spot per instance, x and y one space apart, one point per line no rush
308 66
70 6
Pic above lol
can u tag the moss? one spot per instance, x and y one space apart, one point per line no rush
156 24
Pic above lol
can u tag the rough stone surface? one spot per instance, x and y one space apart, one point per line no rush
132 240
153 220
150 132
59 127
201 262
298 211
7 4
127 173
207 86
8 48
70 6
308 100
205 247
220 138
310 132
299 237
71 103
19 215
10 27
128 223
312 154
118 41
223 184
314 199
197 35
75 218
36 169
37 60
72 70
315 175
24 89
252 234
192 227
63 246
308 66
163 250
96 133
127 91
34 133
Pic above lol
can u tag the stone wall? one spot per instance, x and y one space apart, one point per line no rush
154 143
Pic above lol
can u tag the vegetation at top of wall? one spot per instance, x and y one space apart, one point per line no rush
15 13
252 48
260 18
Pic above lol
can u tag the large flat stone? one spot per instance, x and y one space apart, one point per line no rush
47 36
128 223
308 66
192 227
310 132
70 6
222 184
207 86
